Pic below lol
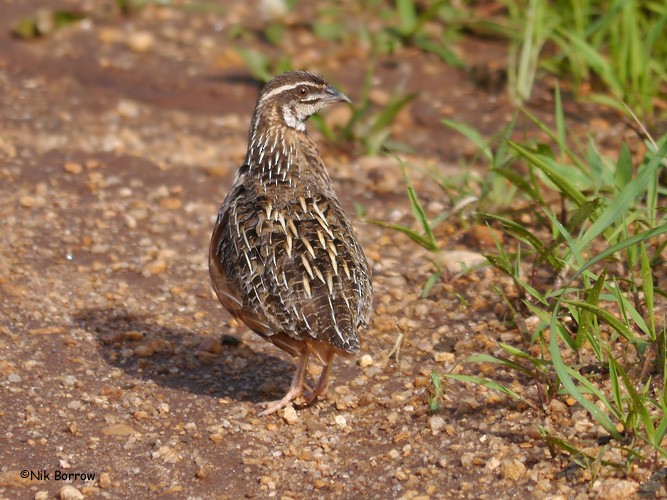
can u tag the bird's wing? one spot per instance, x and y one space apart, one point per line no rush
295 269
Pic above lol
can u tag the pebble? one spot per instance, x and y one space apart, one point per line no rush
32 201
400 475
340 420
557 407
69 492
365 361
141 41
459 260
512 469
444 357
168 455
493 463
109 35
73 168
436 423
127 109
105 480
290 416
117 430
615 488
140 415
422 310
46 330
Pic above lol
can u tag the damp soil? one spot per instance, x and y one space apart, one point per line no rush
119 137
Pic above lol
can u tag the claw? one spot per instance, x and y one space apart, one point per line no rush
296 388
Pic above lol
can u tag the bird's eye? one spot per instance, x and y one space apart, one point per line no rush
302 91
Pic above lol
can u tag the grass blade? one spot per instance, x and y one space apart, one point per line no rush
472 135
489 384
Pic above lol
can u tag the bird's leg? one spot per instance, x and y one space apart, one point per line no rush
323 382
296 388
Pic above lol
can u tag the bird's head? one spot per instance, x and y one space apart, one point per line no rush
292 97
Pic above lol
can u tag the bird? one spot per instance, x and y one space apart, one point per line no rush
284 258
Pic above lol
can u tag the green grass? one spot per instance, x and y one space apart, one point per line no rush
617 48
598 244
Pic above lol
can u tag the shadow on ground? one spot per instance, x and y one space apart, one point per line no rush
182 359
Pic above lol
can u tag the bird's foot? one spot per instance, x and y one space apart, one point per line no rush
274 406
311 395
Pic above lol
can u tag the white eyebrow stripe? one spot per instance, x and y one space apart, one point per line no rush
290 86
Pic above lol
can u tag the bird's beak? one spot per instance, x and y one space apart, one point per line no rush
337 96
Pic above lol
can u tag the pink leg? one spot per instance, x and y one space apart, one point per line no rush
323 382
295 390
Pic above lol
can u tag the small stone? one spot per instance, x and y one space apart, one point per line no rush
493 463
557 407
460 260
211 345
105 480
467 460
117 430
141 41
69 492
400 475
512 469
42 495
379 96
483 237
444 357
176 488
127 109
32 201
216 437
436 423
422 310
109 35
149 347
46 330
73 168
157 267
365 361
340 420
290 416
615 488
171 203
216 170
134 335
168 455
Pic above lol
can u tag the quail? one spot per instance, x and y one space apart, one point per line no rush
284 258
